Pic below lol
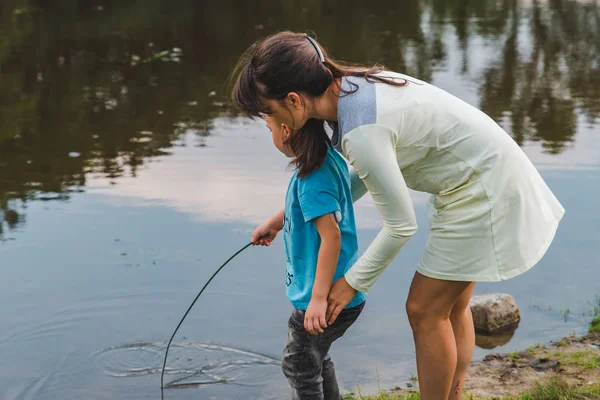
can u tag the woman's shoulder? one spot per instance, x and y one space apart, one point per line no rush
362 101
357 104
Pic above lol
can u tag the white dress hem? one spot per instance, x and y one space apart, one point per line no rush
496 277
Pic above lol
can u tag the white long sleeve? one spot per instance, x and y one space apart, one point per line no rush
371 151
357 186
486 195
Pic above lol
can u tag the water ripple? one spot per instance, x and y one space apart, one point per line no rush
190 364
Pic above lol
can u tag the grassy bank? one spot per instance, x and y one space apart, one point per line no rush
595 325
565 370
568 369
550 389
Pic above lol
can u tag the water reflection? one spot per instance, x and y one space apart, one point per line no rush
127 100
240 162
102 87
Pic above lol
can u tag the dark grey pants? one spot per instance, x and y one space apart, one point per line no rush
306 362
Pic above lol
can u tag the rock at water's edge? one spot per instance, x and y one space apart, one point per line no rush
494 313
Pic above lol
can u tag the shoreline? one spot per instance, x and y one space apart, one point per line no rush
568 367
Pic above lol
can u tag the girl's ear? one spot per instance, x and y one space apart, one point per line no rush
286 131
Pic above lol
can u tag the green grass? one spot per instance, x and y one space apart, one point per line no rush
533 349
588 359
595 325
385 396
558 389
583 359
551 389
565 313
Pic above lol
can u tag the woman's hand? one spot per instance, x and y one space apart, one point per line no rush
265 234
340 295
314 317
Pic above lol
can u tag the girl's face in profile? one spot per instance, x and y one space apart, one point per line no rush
280 133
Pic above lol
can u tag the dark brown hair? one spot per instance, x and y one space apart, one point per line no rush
309 145
288 62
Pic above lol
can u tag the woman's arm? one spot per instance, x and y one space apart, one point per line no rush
357 186
371 150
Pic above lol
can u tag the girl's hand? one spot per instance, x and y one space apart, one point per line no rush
314 317
264 235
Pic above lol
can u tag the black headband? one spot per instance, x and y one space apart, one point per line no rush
317 48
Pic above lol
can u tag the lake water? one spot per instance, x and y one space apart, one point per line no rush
126 179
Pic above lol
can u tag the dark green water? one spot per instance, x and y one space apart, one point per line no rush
126 178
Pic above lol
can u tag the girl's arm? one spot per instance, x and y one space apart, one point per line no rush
268 230
331 242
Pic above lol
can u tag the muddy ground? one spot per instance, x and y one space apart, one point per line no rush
574 359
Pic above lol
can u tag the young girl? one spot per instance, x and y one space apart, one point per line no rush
491 215
321 245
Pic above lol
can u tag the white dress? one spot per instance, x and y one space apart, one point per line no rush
491 215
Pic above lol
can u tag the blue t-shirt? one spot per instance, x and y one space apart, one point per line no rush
324 191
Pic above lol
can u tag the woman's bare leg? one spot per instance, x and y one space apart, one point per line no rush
464 336
429 306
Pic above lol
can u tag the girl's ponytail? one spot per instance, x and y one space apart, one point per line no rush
310 145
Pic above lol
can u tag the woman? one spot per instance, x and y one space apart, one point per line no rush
491 215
